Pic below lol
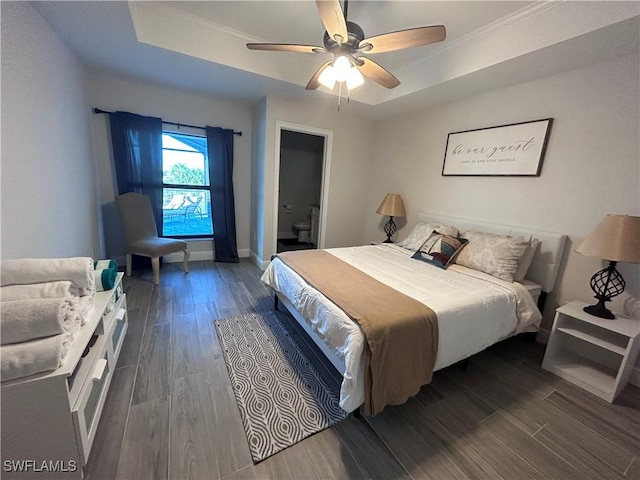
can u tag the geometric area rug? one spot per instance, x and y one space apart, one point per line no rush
281 397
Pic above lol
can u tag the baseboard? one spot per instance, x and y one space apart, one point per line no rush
261 264
193 256
200 255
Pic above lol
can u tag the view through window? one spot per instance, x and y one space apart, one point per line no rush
186 202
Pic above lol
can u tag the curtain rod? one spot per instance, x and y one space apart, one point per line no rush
97 110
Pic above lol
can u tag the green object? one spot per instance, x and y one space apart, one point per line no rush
107 278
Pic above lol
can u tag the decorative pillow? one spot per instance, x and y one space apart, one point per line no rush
421 232
439 249
631 306
525 261
496 255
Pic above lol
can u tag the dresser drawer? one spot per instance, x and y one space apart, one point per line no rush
118 330
118 327
88 408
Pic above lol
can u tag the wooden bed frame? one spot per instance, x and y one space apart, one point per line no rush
543 271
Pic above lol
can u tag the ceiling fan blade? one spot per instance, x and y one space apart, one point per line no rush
375 72
333 19
285 47
414 37
314 83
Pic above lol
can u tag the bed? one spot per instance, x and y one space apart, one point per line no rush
474 309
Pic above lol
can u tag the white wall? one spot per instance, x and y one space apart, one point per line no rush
258 167
49 194
349 175
591 168
113 93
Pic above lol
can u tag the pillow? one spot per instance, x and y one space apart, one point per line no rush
631 306
439 249
496 255
421 232
525 260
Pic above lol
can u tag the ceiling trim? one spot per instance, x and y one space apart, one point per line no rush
486 30
535 27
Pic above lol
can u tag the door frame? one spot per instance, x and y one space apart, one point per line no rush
326 168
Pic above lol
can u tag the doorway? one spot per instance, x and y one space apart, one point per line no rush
301 170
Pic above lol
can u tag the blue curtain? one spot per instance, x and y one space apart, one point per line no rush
137 151
220 153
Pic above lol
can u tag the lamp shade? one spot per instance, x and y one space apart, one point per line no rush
392 205
615 238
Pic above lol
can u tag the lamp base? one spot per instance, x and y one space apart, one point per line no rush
606 284
599 310
390 229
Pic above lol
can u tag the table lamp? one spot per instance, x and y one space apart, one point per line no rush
616 239
393 206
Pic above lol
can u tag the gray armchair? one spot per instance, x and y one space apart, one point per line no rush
141 233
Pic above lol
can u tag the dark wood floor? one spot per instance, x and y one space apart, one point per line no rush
171 412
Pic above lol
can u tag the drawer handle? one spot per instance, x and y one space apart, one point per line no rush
98 371
120 315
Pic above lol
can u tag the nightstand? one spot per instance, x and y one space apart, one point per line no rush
594 353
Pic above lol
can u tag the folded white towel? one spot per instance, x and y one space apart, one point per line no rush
25 271
85 308
64 288
24 320
28 358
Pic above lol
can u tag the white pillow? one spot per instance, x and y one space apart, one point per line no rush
525 260
631 306
421 232
496 255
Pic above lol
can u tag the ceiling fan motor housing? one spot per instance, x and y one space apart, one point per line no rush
355 34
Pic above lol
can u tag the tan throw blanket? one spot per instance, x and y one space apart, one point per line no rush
401 333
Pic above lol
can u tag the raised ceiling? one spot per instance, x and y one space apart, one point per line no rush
200 46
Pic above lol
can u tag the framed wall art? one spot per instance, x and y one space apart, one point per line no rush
516 149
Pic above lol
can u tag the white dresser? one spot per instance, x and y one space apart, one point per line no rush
49 420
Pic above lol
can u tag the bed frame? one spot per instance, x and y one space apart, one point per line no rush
543 271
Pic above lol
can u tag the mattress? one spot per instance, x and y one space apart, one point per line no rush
475 310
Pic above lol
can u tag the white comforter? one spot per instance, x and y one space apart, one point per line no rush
474 310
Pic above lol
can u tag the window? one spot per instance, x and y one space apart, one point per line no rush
186 204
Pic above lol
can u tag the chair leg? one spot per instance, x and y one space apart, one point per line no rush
155 265
129 264
185 260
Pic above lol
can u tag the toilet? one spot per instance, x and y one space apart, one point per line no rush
302 228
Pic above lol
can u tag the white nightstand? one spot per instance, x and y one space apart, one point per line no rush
593 353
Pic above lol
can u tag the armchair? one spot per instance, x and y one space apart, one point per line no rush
141 233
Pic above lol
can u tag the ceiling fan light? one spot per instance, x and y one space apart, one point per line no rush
341 66
354 79
328 77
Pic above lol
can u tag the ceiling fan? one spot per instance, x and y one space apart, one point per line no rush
346 41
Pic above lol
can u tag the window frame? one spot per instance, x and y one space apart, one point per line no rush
206 188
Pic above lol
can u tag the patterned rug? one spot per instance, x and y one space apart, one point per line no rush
281 397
